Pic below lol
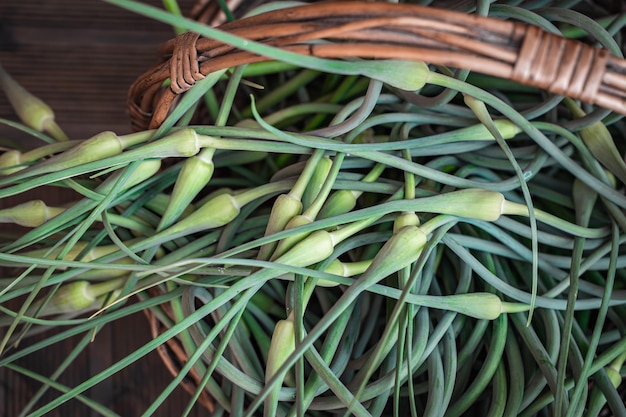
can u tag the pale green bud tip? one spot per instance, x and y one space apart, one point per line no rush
336 267
314 248
30 214
98 147
31 110
406 75
402 249
288 242
285 208
81 295
340 202
614 376
483 205
184 142
195 174
601 144
480 305
216 212
282 345
74 296
145 170
507 128
343 269
9 162
473 203
408 218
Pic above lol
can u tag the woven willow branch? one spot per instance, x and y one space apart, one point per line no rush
511 50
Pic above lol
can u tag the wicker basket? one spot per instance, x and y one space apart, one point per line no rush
511 50
358 29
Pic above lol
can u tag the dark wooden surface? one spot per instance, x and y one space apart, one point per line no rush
80 56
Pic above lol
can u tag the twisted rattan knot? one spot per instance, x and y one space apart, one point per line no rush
559 65
184 67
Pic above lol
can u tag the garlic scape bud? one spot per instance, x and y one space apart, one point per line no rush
282 345
76 297
285 208
30 214
339 202
143 171
98 147
33 112
343 269
317 180
14 160
600 143
314 248
287 243
192 178
473 203
408 218
405 75
107 144
597 398
218 210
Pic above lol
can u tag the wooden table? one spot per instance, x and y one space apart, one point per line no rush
80 57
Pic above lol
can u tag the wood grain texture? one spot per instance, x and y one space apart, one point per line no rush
80 57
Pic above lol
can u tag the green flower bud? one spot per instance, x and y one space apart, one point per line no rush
180 144
339 202
30 214
288 242
13 160
98 147
336 267
480 305
405 75
282 345
216 212
473 203
193 177
600 143
74 296
33 112
79 296
407 218
316 247
400 251
10 162
317 181
145 170
285 208
343 269
480 132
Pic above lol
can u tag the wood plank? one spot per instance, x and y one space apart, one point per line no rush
80 57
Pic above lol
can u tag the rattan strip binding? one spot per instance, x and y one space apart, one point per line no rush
511 50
